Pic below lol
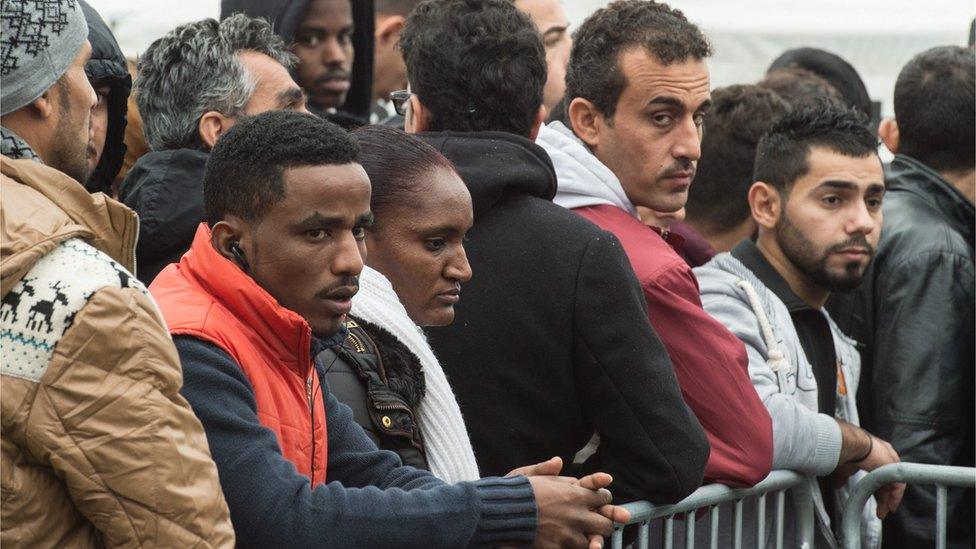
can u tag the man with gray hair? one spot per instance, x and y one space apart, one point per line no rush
193 85
99 448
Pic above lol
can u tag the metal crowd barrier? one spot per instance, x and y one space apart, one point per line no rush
942 476
710 496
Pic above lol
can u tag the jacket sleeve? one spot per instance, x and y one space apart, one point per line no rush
803 439
370 500
649 440
109 419
923 382
712 368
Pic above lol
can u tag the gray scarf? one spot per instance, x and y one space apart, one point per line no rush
12 146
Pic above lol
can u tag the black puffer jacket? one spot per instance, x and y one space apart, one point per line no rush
551 341
377 376
284 16
107 63
166 189
914 317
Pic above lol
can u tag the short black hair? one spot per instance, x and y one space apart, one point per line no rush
935 108
738 118
782 153
594 64
243 175
476 65
396 164
800 87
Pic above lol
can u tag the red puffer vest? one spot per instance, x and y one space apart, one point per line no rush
208 297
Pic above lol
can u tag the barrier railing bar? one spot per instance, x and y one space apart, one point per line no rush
941 509
643 536
780 511
737 526
690 531
713 543
916 473
669 533
761 521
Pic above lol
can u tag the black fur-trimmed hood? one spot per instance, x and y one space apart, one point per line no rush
404 373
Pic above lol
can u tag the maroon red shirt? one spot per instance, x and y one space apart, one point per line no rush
710 362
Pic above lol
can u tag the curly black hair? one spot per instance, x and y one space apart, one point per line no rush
738 118
476 65
594 64
244 171
935 108
781 156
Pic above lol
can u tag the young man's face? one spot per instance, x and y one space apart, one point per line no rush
308 249
99 123
74 100
653 142
323 44
831 219
550 18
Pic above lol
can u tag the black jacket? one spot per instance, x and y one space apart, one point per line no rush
914 316
284 16
107 63
166 189
381 380
551 342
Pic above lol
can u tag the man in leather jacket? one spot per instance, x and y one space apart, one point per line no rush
915 313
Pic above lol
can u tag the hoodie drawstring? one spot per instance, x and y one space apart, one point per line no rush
775 358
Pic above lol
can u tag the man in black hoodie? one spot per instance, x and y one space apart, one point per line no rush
110 78
193 85
333 40
551 343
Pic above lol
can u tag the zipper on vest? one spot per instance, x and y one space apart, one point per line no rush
357 343
311 410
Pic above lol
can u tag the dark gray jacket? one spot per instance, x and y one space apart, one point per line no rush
914 317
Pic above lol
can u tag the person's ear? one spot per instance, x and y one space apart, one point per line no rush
388 31
418 117
586 120
212 125
766 204
229 237
46 105
888 132
540 117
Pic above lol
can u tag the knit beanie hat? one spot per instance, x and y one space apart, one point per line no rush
38 41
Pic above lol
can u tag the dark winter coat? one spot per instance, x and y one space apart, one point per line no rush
914 315
166 189
381 380
107 63
285 15
551 342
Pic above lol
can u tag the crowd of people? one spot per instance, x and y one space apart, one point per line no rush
232 273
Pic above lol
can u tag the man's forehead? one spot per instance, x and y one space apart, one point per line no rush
647 76
334 12
825 164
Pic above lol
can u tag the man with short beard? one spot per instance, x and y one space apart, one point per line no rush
99 449
817 202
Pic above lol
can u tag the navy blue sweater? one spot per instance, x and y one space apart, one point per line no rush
370 499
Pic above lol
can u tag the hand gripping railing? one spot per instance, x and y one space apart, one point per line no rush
942 476
710 496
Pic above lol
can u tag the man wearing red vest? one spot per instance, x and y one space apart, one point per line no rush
266 285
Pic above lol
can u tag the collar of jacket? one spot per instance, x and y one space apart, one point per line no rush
909 175
583 179
494 164
55 209
283 330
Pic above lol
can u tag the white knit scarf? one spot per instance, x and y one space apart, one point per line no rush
446 441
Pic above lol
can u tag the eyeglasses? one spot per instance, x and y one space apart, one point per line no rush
399 99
